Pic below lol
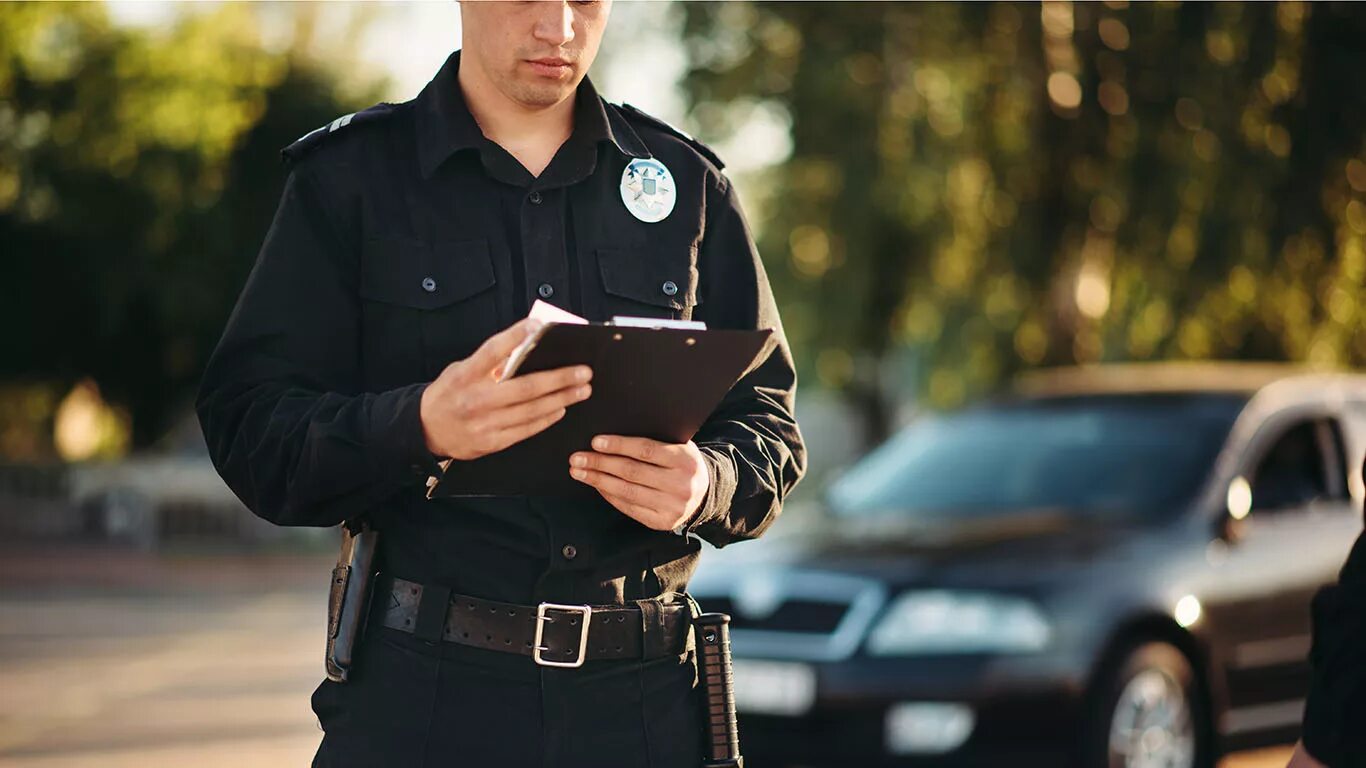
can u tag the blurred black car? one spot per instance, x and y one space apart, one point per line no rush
1108 567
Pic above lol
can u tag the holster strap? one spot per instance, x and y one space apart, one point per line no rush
642 629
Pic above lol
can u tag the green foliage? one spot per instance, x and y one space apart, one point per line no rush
138 174
998 185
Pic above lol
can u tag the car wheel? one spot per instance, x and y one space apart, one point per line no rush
1152 713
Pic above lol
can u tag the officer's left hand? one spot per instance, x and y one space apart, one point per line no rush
658 484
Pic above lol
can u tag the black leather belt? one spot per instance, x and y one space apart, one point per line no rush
552 634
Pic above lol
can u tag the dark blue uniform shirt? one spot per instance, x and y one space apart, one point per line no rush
404 238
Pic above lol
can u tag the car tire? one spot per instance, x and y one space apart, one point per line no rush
1150 712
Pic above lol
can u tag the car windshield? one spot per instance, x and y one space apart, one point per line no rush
1091 455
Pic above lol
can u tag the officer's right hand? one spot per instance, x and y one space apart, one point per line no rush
466 413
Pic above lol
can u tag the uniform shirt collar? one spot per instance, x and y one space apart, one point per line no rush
445 125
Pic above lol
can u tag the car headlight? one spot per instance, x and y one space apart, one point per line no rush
941 621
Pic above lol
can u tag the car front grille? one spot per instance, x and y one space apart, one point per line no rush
796 613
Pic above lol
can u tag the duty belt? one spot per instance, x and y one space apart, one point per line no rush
552 634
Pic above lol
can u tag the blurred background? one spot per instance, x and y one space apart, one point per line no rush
946 196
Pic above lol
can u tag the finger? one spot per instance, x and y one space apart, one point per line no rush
643 515
515 415
497 347
533 385
502 438
631 470
636 494
643 448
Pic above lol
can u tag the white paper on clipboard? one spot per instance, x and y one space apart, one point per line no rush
550 314
547 314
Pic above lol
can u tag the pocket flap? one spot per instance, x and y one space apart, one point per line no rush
414 273
666 277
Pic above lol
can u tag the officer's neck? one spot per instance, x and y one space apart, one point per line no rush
532 135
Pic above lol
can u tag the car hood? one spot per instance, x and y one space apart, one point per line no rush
1008 551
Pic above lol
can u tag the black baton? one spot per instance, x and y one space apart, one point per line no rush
711 631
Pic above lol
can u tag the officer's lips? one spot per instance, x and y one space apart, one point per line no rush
551 67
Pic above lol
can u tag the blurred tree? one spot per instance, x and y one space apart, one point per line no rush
1000 185
138 173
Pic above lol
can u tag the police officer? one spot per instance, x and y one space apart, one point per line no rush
409 240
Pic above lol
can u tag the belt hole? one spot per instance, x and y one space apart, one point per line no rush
618 648
528 643
414 590
572 622
488 638
602 650
465 634
606 619
471 606
406 622
507 641
621 617
511 612
493 610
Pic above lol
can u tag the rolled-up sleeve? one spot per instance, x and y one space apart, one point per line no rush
281 405
753 448
1336 707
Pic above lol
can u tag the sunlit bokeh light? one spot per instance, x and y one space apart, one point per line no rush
85 426
1093 291
1239 498
1187 611
1064 90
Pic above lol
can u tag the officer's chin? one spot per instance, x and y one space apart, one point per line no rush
535 95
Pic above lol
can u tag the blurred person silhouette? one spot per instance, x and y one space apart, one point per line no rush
1334 726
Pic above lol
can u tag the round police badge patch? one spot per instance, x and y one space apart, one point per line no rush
647 189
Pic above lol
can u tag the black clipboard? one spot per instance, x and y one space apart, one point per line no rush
661 383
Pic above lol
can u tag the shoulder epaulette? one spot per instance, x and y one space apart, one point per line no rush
634 113
317 136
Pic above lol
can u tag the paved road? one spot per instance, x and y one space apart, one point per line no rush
115 660
119 660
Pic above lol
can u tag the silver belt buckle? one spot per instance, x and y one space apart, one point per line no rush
541 618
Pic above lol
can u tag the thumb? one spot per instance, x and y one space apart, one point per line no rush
497 347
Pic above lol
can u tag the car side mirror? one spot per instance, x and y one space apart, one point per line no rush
1237 506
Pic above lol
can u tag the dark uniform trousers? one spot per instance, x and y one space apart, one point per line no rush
404 239
414 703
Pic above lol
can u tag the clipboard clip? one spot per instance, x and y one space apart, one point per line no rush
657 322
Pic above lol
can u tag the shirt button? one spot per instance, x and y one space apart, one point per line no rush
568 551
428 284
670 287
546 290
535 198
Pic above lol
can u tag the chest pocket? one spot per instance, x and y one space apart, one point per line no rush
424 305
650 281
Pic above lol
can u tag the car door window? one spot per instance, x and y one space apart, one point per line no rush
1291 474
1335 461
